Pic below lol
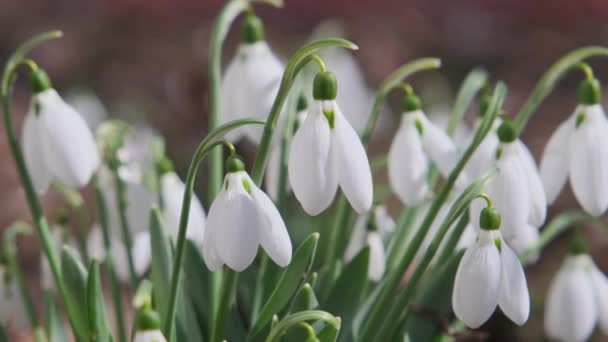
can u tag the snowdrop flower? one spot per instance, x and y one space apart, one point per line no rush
172 192
89 106
578 151
517 188
371 230
148 327
326 152
241 218
57 143
441 118
577 299
12 310
251 81
484 156
141 251
417 142
490 275
271 178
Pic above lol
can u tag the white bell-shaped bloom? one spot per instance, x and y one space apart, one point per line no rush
12 307
516 190
484 156
418 142
327 152
490 275
57 143
526 238
578 151
273 171
172 191
141 252
577 300
249 86
371 229
149 336
241 218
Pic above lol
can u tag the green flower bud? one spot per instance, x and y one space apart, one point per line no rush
234 164
40 81
578 245
148 319
252 29
325 86
489 219
589 92
506 132
411 102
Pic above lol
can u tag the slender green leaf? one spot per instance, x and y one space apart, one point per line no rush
196 286
471 85
54 322
348 290
305 299
162 261
330 332
96 309
291 279
75 276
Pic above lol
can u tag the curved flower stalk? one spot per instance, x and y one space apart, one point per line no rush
242 218
490 275
251 80
517 189
417 142
371 229
578 151
57 143
577 299
327 152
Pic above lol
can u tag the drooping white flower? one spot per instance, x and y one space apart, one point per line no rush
517 188
12 308
484 156
241 218
327 152
371 230
577 300
578 151
141 252
418 142
251 81
172 192
149 336
490 275
57 143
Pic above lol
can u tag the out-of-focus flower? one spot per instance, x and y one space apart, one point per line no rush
241 218
12 308
327 152
89 106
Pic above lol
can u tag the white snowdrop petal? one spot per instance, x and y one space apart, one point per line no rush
142 252
484 156
149 336
477 284
311 170
95 245
172 189
538 201
439 146
357 238
272 174
354 173
377 256
68 145
588 161
121 264
408 165
600 286
554 162
514 299
33 153
273 233
210 255
525 239
570 311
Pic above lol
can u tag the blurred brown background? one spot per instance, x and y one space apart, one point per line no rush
152 55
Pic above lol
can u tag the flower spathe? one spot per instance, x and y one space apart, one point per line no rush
418 142
57 143
490 275
241 218
577 300
327 152
370 230
578 151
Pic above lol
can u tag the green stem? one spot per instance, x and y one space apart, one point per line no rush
102 216
311 315
121 199
76 202
394 80
379 309
228 291
40 222
403 229
211 140
550 78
